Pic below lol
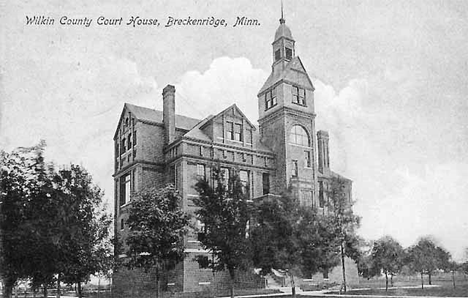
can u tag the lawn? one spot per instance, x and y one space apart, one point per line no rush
404 286
443 291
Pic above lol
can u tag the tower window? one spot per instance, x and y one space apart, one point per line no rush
288 53
201 172
295 169
299 96
124 189
270 98
129 141
134 138
321 198
266 183
299 136
277 54
308 162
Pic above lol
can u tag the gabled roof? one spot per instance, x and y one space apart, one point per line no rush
197 133
293 72
152 116
233 109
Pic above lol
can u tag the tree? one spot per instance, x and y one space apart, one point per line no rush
44 221
387 256
342 222
274 236
425 257
23 177
157 226
224 210
84 233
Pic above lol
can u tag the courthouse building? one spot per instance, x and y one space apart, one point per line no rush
153 148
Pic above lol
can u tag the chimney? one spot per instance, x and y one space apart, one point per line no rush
323 153
169 114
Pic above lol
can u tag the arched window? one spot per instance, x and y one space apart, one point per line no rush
299 136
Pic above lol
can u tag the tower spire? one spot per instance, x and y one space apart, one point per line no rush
282 20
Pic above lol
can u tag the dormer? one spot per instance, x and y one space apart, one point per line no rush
230 127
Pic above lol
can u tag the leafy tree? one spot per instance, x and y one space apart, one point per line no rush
342 222
426 257
23 179
84 233
387 256
224 210
274 236
43 222
157 226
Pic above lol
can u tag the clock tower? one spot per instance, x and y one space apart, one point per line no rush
287 118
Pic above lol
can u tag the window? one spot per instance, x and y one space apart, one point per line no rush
288 53
294 170
200 230
122 224
299 136
298 95
201 150
244 179
201 172
277 54
124 189
308 162
270 98
225 176
126 121
122 146
129 141
321 198
116 149
230 130
134 138
238 132
266 183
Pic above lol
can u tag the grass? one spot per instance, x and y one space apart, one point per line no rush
460 291
403 286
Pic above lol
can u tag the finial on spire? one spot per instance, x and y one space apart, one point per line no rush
282 20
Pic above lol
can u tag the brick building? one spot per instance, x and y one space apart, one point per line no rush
158 147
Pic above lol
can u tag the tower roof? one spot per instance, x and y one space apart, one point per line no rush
283 31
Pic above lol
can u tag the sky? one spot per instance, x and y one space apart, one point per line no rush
391 80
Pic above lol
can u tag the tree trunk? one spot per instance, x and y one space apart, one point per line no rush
58 287
343 266
453 278
386 281
422 281
232 275
391 280
158 284
98 286
80 293
44 289
430 279
293 284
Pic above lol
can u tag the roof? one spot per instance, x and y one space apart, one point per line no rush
155 116
293 72
283 31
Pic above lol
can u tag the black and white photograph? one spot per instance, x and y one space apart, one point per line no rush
284 148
